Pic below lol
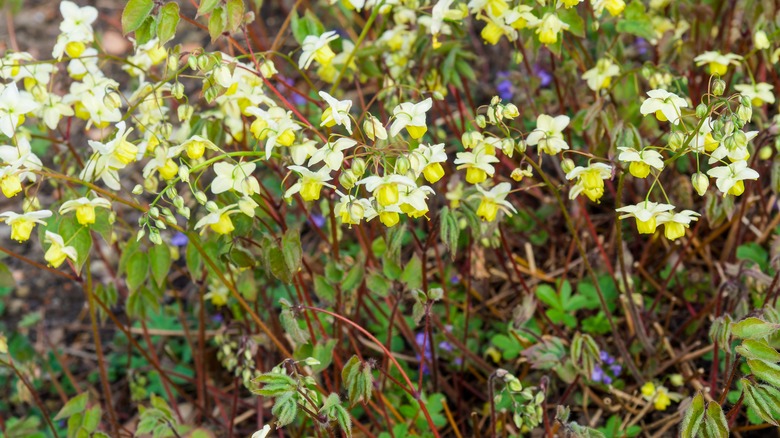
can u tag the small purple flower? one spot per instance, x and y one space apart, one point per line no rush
217 317
504 88
641 45
606 358
598 374
455 279
616 369
317 220
294 96
179 239
544 76
446 346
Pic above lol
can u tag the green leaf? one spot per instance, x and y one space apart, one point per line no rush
412 274
75 405
574 20
754 252
324 290
753 328
715 423
137 270
758 349
285 408
160 262
91 419
194 260
378 284
768 372
235 14
692 418
217 23
449 230
6 278
146 31
547 295
636 21
167 22
358 379
391 269
353 278
761 402
77 236
134 14
141 302
206 6
291 247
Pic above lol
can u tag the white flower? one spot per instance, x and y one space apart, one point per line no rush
412 117
601 75
77 22
85 208
310 183
676 223
494 200
337 113
218 219
316 48
22 157
58 252
645 214
23 224
718 63
478 164
590 180
730 179
738 153
119 151
665 105
413 200
237 177
332 153
640 162
549 134
14 105
301 151
262 433
759 93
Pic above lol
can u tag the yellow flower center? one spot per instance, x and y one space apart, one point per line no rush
85 214
21 229
661 116
389 218
324 55
615 7
328 113
487 210
674 230
756 101
491 33
259 129
416 131
646 227
433 172
737 189
475 175
710 144
126 152
662 401
224 225
387 194
74 49
719 69
10 185
169 170
286 138
55 256
196 149
639 169
548 36
310 190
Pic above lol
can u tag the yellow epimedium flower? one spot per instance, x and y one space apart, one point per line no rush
494 200
548 134
310 183
385 188
497 26
549 27
441 11
10 184
640 162
14 105
218 219
601 75
646 214
660 396
315 47
590 180
85 208
23 224
275 126
758 93
412 117
478 164
351 210
675 224
237 177
58 252
337 112
494 7
615 7
196 146
734 147
664 104
332 154
390 215
717 63
730 179
218 295
119 151
163 162
414 199
433 156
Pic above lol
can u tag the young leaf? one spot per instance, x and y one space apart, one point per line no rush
75 405
160 263
235 14
291 247
753 328
693 416
135 13
752 349
207 6
167 22
715 423
137 270
412 274
768 372
217 23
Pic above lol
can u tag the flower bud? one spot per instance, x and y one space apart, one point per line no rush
247 206
268 69
480 121
508 147
745 113
184 112
760 40
740 139
184 173
138 189
192 61
567 165
347 179
700 183
745 101
201 197
521 146
701 111
222 75
511 111
718 87
402 165
765 153
177 90
203 62
495 101
373 128
676 140
358 166
470 139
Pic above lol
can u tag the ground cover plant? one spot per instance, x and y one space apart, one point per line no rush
390 218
